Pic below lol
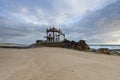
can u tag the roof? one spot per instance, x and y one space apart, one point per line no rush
53 30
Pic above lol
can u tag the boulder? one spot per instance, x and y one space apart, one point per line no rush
82 45
104 51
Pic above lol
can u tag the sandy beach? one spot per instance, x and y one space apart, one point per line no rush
57 64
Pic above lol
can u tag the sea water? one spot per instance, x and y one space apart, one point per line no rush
105 46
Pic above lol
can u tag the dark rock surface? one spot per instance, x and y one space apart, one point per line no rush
104 51
80 45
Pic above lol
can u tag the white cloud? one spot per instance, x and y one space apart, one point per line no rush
62 12
71 14
68 10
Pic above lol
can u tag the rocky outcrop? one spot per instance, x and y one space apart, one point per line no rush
104 51
80 45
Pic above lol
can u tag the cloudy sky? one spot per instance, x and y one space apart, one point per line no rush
25 21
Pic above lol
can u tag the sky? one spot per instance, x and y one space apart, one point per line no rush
25 21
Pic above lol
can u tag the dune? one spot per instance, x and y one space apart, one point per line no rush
57 64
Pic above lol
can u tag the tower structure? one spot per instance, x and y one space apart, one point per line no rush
54 35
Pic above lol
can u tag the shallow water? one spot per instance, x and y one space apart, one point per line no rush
105 46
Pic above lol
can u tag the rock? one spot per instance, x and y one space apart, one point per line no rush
104 51
73 44
81 45
66 44
39 43
92 50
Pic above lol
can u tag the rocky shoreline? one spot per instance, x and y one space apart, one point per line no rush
81 45
106 51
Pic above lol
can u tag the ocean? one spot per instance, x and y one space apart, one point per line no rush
105 46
